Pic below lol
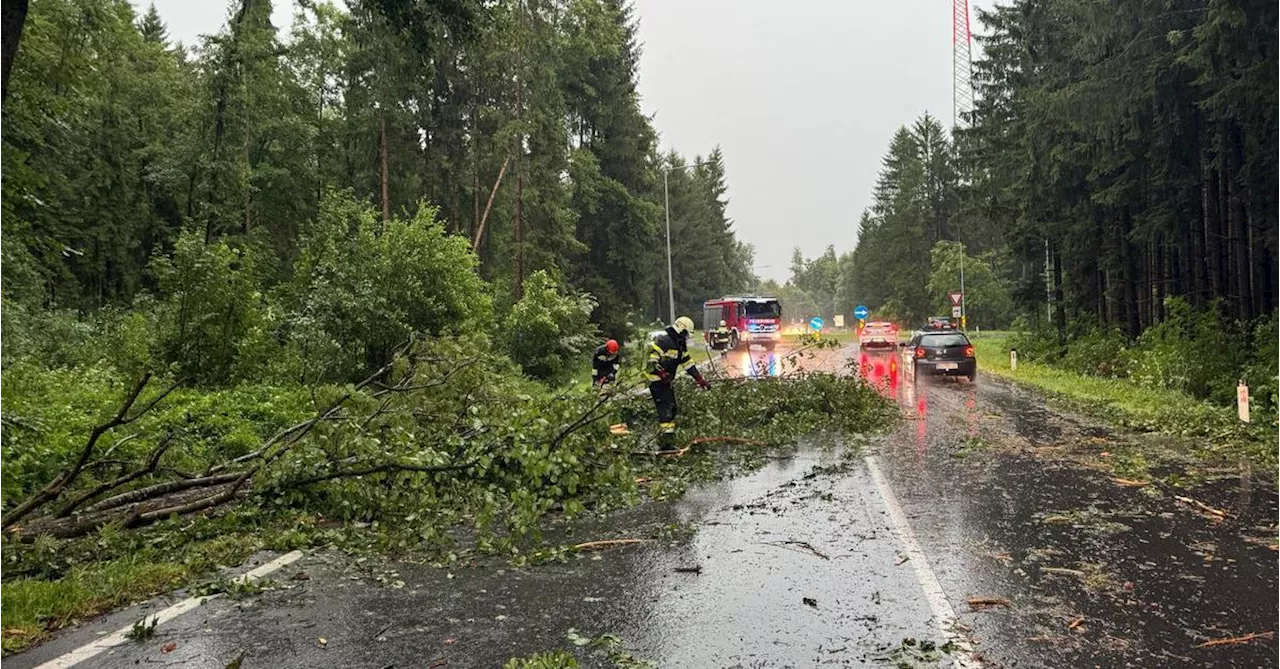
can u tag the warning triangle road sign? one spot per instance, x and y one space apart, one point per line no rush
955 298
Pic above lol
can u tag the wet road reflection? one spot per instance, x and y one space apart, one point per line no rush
1096 575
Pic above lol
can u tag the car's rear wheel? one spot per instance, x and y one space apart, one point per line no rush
973 376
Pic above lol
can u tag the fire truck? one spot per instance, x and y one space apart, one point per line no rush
746 320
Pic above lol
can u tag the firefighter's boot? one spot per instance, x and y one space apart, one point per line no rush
667 438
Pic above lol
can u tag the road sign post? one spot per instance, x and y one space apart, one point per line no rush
957 306
815 324
861 313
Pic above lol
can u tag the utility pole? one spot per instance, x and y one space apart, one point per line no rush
519 199
964 322
671 286
961 63
520 167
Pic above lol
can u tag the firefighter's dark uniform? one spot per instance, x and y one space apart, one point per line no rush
668 354
721 336
604 365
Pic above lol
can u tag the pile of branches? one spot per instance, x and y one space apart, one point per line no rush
75 503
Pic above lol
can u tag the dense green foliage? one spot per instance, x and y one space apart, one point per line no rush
121 150
1114 190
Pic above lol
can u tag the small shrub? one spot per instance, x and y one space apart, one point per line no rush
363 286
1262 373
550 328
211 301
1036 345
1198 353
1099 353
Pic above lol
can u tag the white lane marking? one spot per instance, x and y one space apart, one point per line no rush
933 593
119 637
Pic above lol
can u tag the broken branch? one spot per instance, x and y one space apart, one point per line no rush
606 543
1236 640
1219 513
980 603
55 487
153 461
799 547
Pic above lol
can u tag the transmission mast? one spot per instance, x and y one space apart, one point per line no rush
961 63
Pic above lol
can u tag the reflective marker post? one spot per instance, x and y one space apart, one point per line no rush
1242 401
1013 359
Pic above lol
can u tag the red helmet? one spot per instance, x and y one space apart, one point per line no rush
611 346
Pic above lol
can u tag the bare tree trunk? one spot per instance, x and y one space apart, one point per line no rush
475 243
1212 239
1239 227
1059 308
382 150
1129 268
248 186
13 17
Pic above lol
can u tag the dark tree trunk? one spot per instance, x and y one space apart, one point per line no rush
1129 269
382 152
1059 306
13 17
1243 292
1212 234
1162 280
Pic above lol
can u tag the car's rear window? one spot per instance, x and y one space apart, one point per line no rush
940 340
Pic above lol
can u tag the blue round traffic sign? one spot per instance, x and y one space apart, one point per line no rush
861 313
815 323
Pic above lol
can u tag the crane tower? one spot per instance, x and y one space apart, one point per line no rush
961 63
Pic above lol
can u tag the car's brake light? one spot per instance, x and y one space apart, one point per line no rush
919 351
968 351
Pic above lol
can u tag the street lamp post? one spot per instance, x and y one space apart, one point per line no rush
666 198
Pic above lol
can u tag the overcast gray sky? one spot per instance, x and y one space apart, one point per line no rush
802 97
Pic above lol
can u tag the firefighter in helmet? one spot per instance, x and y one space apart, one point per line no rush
605 363
668 353
721 337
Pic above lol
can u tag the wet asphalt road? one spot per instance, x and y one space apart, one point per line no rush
1095 574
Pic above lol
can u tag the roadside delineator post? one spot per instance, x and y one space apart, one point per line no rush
1013 359
1242 400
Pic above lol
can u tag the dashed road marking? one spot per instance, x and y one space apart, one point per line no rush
933 593
120 636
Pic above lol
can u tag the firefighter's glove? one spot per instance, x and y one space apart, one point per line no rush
664 376
704 383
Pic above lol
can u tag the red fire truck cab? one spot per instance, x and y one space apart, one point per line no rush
747 320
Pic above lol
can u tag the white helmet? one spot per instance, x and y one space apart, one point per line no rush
683 325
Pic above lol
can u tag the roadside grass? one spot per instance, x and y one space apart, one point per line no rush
1219 436
34 608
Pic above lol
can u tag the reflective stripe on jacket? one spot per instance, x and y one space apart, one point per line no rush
670 353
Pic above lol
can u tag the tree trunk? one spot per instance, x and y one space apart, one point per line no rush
1059 308
1212 240
1162 273
248 186
1239 227
1129 269
13 17
382 151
